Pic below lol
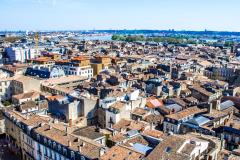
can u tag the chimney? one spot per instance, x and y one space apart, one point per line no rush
41 124
222 142
69 143
210 108
102 151
83 144
70 122
79 149
218 103
56 121
66 130
50 126
97 129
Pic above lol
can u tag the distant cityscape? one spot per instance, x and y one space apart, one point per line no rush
120 94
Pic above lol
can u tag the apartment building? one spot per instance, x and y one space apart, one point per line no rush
21 54
100 63
23 84
76 66
186 147
13 131
204 95
39 138
173 122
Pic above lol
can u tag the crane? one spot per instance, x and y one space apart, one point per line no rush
36 39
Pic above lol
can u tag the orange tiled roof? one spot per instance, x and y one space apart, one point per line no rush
153 103
52 98
80 58
120 153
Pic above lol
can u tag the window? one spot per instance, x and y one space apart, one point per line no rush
49 143
45 140
38 137
45 151
72 155
236 139
65 151
59 147
50 154
54 144
55 156
39 148
172 128
82 158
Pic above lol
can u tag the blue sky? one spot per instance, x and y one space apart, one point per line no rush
120 14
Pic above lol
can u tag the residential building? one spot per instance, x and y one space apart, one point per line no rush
173 122
21 54
76 66
23 84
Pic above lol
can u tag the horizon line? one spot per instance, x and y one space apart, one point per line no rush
74 30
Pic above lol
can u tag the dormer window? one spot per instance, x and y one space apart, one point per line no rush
54 144
82 158
59 147
65 151
49 143
45 140
72 155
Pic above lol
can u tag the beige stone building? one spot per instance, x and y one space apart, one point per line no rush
13 130
24 84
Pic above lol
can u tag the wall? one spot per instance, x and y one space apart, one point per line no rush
69 110
115 118
5 90
13 131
